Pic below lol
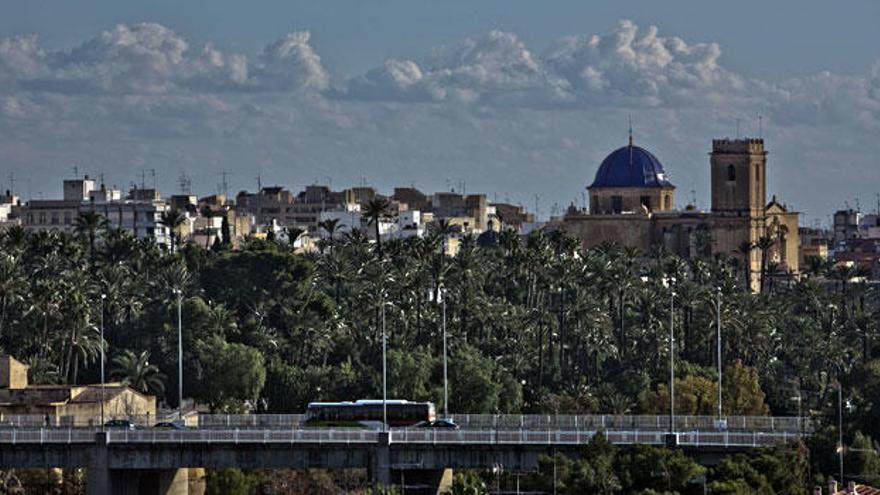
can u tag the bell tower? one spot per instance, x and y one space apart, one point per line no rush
739 172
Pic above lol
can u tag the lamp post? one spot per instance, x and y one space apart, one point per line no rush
179 294
669 283
103 399
442 294
384 366
840 428
718 349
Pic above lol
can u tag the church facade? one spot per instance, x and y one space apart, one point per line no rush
632 203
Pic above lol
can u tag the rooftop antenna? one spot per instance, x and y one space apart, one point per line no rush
694 198
537 199
153 175
184 182
224 184
630 130
101 177
259 183
12 184
143 179
75 172
760 126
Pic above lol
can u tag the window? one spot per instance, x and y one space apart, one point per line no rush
731 173
669 202
616 204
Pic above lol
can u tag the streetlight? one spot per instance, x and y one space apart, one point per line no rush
840 448
103 399
668 282
179 353
718 332
384 366
441 298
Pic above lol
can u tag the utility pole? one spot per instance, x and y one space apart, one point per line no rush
671 359
179 354
103 395
840 428
445 376
718 350
384 365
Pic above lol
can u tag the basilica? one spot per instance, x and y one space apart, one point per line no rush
632 203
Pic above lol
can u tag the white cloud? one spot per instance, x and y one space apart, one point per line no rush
291 63
487 109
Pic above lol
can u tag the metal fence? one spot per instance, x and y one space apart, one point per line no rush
46 435
243 436
539 422
579 437
399 435
609 422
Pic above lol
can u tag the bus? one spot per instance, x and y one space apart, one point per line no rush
366 412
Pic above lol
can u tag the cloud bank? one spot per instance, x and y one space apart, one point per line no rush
488 110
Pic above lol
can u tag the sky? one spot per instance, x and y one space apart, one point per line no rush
518 99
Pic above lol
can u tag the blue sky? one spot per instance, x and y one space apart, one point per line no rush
512 97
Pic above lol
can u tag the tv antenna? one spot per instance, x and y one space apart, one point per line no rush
185 183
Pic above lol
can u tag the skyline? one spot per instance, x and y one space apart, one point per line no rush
507 115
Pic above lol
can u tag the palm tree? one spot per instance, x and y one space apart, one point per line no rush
745 250
764 244
173 220
87 225
13 287
331 225
376 211
136 371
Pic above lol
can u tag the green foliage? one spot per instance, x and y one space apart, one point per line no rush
231 482
772 471
468 483
534 324
696 395
234 373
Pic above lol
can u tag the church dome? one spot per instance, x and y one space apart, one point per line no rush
631 166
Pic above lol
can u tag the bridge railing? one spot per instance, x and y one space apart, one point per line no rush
243 436
46 435
399 435
580 437
605 422
251 420
630 422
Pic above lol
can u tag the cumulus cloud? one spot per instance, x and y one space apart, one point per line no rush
635 62
488 109
149 58
496 66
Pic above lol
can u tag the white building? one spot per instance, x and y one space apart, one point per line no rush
138 213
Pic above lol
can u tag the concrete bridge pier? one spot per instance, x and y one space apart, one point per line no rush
101 480
380 461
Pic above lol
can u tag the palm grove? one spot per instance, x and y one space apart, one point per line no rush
535 323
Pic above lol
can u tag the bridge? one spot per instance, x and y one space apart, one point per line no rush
149 460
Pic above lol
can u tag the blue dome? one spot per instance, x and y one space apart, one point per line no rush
631 166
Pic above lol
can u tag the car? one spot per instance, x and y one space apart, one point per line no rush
120 423
438 423
170 425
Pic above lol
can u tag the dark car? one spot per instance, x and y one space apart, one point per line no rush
120 423
439 423
170 425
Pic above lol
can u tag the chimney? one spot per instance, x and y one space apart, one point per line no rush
851 488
